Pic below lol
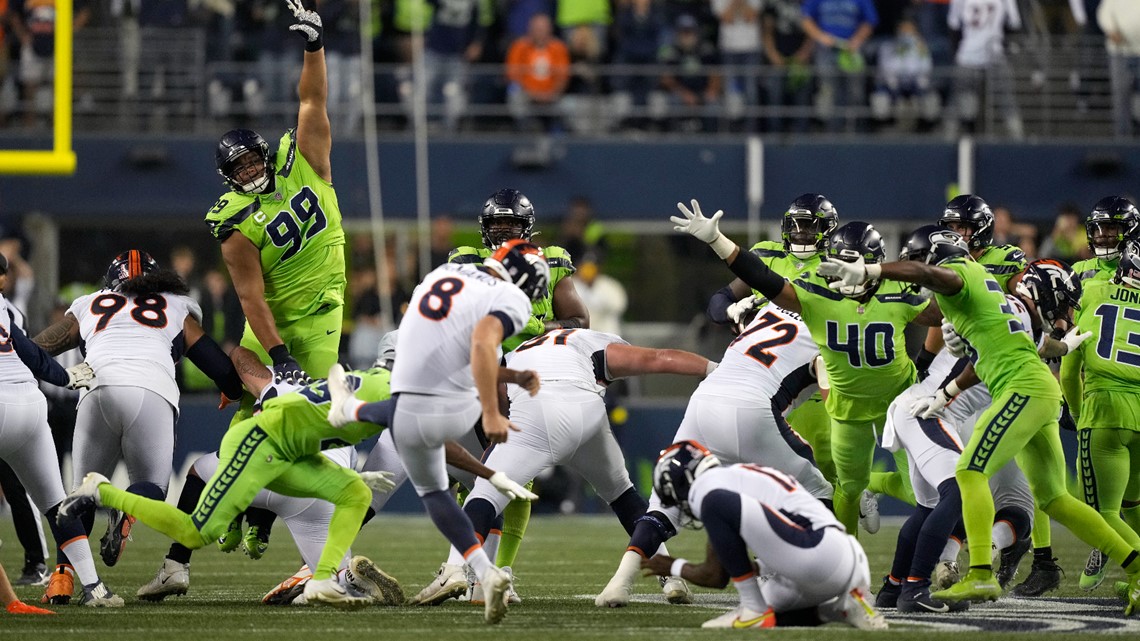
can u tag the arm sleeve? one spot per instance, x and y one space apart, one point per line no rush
750 269
209 357
1071 382
43 366
718 306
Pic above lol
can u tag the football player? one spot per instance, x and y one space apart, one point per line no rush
1104 403
814 570
462 313
857 330
1021 422
26 443
507 215
133 331
1113 220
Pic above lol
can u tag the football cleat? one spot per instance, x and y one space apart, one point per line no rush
340 398
115 540
476 591
917 600
365 576
253 544
98 595
1132 595
330 592
616 594
946 574
1120 589
450 582
676 590
1043 577
856 611
888 596
496 588
288 590
231 540
1095 571
60 587
977 585
869 512
19 607
173 578
84 498
1010 559
743 618
32 574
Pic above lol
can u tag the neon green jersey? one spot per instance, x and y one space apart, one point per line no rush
298 421
862 345
1003 262
1004 353
1095 269
773 254
542 310
297 229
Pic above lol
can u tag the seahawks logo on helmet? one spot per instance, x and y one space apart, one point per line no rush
1128 271
808 224
851 242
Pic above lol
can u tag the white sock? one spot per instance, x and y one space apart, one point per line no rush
950 552
1003 535
352 406
454 557
491 545
479 563
78 551
750 596
629 568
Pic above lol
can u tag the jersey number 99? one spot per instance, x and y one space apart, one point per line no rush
289 232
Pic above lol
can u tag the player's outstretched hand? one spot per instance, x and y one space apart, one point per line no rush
528 380
695 224
80 375
954 342
378 481
737 310
308 25
510 489
658 564
1074 338
845 274
928 406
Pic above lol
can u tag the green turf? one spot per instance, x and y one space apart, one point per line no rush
563 557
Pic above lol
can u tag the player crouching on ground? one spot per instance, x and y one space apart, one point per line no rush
816 572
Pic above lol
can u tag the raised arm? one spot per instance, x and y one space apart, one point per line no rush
314 134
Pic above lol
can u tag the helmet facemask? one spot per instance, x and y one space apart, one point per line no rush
1105 236
504 226
248 172
804 234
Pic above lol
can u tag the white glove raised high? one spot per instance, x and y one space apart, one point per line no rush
928 406
956 345
378 481
846 274
704 229
1074 338
510 489
80 375
737 310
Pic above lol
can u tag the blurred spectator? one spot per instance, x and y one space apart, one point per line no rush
7 86
640 24
145 62
788 51
579 233
592 14
693 84
453 42
279 67
1120 21
520 13
932 17
538 67
1067 240
183 261
603 295
840 28
740 47
341 20
982 68
442 239
587 110
1007 231
903 89
33 22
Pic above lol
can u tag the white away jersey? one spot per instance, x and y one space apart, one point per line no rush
768 363
434 342
134 341
572 355
12 369
776 491
982 23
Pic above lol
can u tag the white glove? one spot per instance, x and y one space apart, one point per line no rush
308 25
80 375
510 489
928 406
741 307
846 274
378 481
704 229
954 341
1074 338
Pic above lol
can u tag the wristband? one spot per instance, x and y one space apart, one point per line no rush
315 45
874 271
280 354
675 569
952 389
723 246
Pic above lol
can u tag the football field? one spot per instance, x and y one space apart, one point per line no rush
564 562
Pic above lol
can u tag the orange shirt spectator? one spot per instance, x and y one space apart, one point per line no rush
538 62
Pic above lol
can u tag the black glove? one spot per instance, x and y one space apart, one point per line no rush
285 367
1066 419
308 25
922 362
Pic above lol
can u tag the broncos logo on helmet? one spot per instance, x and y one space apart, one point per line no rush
678 466
1054 289
127 266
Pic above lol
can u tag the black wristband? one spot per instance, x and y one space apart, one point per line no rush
757 275
315 45
924 359
570 323
280 354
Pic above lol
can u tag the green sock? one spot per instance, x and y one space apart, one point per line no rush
894 484
977 516
847 510
516 516
159 515
1131 516
1088 526
1042 532
349 510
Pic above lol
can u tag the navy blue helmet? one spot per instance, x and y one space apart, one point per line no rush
522 263
677 468
126 266
808 224
1113 221
851 242
970 212
510 206
231 147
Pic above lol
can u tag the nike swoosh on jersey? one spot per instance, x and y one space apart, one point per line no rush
330 332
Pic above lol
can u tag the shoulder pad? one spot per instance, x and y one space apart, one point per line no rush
464 255
557 257
230 211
